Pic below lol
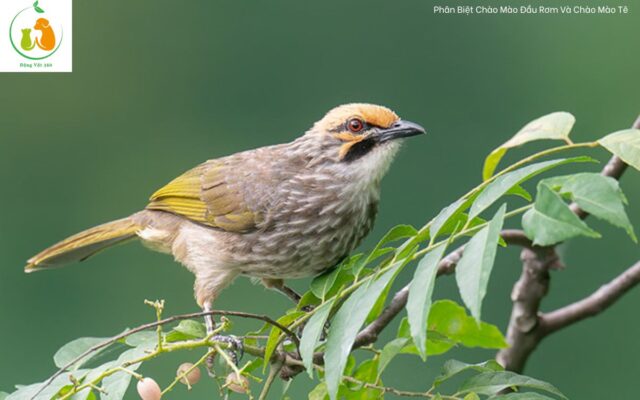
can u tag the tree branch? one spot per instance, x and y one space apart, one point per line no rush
525 328
592 305
164 322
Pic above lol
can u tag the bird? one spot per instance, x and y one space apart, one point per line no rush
278 212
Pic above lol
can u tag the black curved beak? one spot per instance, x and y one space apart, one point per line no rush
400 129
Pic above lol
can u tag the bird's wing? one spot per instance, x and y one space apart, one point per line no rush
210 194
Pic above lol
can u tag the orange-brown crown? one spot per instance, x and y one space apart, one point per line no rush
370 113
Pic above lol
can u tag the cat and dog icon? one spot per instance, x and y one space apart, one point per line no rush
46 41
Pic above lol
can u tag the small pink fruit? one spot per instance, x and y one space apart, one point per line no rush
148 389
237 385
192 377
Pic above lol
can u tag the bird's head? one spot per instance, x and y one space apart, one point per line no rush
359 131
357 142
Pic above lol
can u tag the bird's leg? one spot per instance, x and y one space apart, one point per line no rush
236 347
278 284
210 326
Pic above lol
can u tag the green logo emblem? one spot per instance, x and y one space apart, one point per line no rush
34 34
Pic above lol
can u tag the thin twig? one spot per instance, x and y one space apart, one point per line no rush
274 370
165 321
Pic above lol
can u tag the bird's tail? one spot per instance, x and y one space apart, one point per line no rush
83 245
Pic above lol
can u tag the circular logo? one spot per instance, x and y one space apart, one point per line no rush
36 34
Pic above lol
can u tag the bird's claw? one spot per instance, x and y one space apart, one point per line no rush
236 347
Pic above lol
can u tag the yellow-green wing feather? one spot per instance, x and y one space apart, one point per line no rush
204 195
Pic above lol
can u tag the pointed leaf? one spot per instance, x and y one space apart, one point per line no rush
274 335
450 320
29 392
556 125
389 351
551 221
624 144
38 10
192 328
474 269
116 385
144 338
346 324
503 184
489 383
73 349
312 333
419 300
447 214
596 194
396 233
520 192
322 284
454 367
319 392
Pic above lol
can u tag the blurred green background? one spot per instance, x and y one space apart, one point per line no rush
160 86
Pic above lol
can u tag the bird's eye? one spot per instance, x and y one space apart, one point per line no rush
355 125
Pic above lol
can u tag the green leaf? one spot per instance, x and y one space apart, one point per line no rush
144 338
474 268
274 335
322 284
471 396
38 10
186 330
29 392
624 144
319 392
378 307
445 215
556 125
451 320
551 221
116 385
73 349
396 233
489 383
312 333
389 351
504 183
419 300
596 194
454 367
437 343
3 395
366 372
308 299
85 394
346 324
522 396
519 191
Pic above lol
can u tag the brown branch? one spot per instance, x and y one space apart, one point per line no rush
522 333
526 328
165 321
592 305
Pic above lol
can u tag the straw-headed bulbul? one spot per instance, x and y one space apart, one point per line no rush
286 211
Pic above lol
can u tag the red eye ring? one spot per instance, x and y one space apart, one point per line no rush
355 125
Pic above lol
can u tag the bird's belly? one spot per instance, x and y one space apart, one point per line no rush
299 250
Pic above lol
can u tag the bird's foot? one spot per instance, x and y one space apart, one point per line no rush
234 352
235 349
